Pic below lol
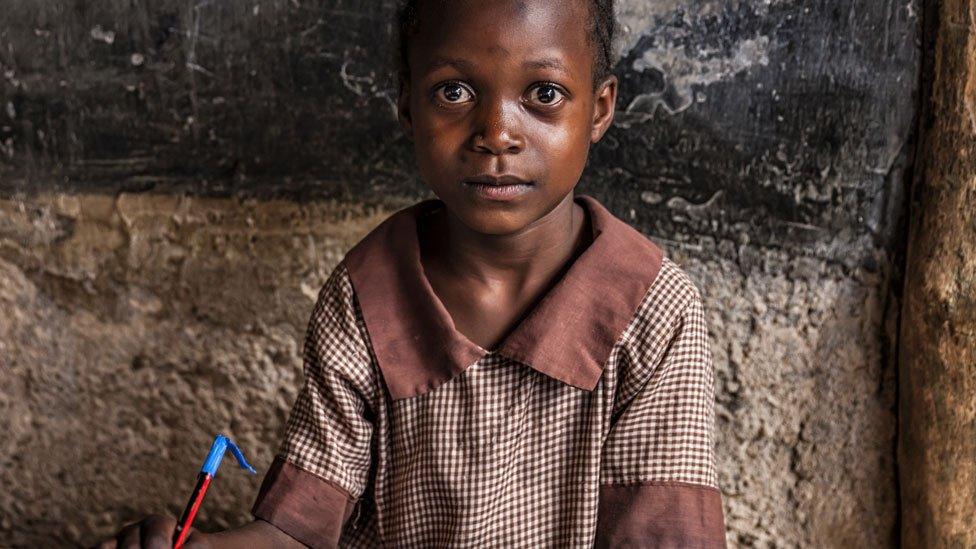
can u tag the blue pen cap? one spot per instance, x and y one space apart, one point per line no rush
216 455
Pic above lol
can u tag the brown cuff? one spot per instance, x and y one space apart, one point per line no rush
305 506
660 515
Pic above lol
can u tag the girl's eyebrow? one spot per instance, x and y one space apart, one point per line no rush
455 62
464 65
546 63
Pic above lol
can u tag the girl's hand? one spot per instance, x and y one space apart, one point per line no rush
154 532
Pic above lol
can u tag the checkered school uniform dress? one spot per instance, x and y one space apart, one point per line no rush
589 425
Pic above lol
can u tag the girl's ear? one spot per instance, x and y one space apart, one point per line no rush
403 108
603 107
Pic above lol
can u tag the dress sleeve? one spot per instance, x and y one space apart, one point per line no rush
658 482
323 463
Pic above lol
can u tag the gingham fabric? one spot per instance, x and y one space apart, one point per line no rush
501 454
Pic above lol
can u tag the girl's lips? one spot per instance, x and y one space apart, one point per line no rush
497 187
498 192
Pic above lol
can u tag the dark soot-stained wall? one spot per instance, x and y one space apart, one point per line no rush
178 179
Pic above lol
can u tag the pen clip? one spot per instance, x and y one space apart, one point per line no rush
240 457
216 455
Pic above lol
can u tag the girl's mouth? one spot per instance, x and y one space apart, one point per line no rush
497 188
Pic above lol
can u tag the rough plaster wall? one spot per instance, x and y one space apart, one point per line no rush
179 179
122 314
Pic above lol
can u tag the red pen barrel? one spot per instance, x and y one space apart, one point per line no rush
186 520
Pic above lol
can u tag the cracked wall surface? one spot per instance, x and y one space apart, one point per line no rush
177 180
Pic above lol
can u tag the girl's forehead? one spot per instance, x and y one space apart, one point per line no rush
549 29
463 13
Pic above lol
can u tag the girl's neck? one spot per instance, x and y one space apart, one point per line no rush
513 260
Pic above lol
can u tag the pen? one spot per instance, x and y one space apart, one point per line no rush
207 472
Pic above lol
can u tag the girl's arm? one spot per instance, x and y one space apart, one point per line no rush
658 482
156 531
256 534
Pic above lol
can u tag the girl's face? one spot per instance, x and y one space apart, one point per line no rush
503 89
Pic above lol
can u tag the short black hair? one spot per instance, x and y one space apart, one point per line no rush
601 31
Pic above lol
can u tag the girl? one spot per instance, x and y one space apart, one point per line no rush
508 364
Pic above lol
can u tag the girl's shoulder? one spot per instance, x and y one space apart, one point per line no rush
667 307
336 338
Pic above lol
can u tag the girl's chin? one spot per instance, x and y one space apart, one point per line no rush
497 223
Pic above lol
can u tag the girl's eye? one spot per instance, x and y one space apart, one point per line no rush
547 94
453 93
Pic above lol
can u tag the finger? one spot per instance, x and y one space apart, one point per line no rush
157 532
107 544
197 540
128 537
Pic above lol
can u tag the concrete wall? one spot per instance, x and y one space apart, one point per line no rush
177 180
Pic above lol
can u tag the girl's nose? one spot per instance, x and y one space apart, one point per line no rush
496 130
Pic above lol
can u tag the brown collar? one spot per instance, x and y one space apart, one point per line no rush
567 336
